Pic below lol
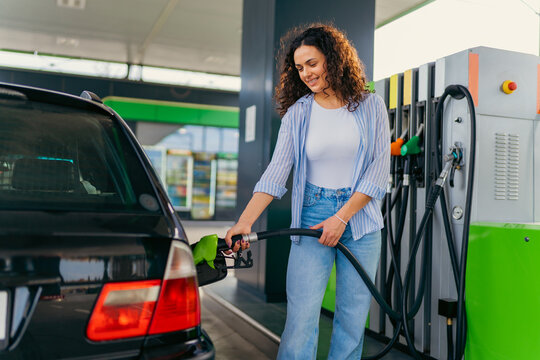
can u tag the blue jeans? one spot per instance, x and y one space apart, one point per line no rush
308 270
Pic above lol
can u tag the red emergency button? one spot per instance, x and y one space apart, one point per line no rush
509 87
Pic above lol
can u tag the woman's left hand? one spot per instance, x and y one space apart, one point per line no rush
333 228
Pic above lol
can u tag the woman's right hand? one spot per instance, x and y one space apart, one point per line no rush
259 201
238 228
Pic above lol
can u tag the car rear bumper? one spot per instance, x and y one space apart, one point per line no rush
197 349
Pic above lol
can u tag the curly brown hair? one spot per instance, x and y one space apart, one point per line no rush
345 72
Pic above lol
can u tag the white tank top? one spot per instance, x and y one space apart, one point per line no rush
332 142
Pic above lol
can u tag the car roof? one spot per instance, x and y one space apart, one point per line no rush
59 98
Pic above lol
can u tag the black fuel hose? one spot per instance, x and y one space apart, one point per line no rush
459 268
395 245
401 318
460 92
388 224
450 239
449 341
387 242
392 246
263 235
423 273
383 264
435 192
395 197
388 347
457 92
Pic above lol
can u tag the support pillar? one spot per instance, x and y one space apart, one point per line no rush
264 22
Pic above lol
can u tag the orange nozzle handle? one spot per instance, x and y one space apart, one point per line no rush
395 147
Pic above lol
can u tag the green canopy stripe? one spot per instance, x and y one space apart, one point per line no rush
174 112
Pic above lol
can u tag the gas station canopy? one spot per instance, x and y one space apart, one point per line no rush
189 34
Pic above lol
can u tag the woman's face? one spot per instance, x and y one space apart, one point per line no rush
311 66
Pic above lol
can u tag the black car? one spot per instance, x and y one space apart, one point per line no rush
94 261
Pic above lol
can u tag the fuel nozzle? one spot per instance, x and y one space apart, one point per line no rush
412 147
210 247
456 154
206 250
453 160
395 147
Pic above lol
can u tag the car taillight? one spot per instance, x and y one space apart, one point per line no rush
123 310
178 307
137 308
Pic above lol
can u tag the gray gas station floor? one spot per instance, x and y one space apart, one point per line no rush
242 325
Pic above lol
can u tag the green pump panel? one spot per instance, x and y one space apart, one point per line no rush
329 299
503 292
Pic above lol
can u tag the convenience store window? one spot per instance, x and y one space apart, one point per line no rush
230 140
198 167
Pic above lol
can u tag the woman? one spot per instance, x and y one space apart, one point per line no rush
336 135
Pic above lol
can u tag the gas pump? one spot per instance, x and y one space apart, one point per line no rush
503 178
504 181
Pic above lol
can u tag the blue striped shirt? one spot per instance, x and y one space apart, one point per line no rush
371 170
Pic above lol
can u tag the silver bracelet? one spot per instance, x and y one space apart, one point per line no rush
340 219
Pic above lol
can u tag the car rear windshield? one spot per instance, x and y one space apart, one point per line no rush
56 157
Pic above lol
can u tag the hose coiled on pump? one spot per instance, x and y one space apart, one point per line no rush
460 92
